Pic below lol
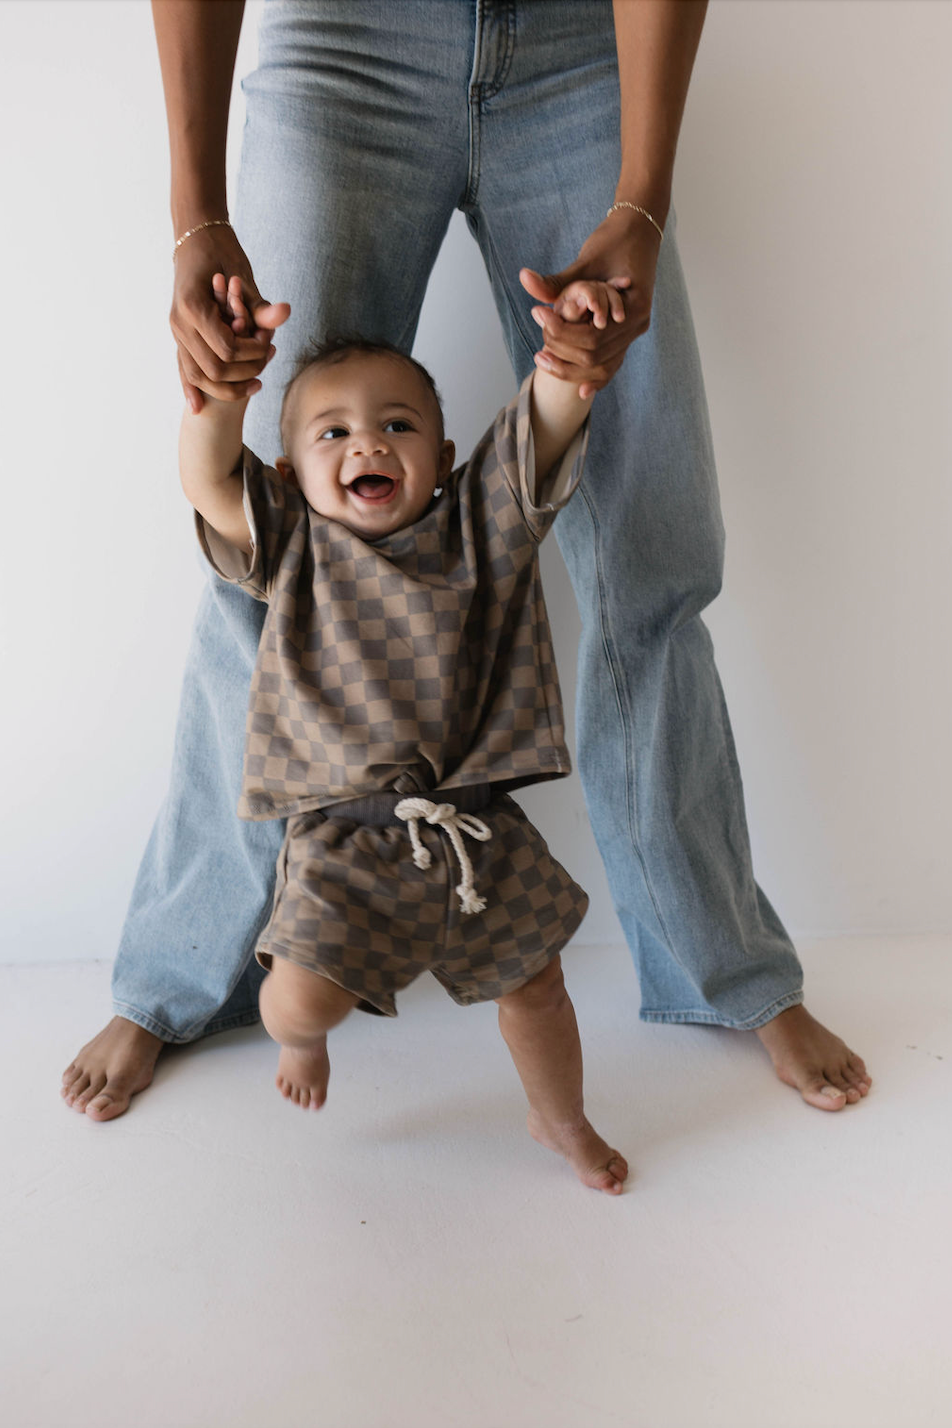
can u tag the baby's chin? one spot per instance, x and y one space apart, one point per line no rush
373 524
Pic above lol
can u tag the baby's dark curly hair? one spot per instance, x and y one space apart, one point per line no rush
340 346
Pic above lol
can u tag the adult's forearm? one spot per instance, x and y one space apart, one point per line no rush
197 43
657 41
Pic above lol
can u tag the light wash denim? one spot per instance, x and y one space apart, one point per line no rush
368 124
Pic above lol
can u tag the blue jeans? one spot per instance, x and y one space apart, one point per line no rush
367 126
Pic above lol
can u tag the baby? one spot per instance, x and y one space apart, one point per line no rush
404 683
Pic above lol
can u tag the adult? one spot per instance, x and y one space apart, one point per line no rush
367 125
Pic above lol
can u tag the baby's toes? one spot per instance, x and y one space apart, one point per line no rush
611 1178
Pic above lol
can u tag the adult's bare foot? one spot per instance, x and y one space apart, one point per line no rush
816 1063
592 1159
111 1069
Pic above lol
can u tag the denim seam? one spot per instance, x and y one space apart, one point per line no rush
490 88
705 1018
472 114
157 1028
608 648
148 1023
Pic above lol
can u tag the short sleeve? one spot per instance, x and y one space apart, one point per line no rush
275 511
511 443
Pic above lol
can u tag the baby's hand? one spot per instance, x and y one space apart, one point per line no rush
230 298
587 300
231 303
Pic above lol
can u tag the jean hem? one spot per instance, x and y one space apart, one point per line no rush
173 1038
709 1018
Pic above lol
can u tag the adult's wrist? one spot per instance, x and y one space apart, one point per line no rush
196 199
654 195
639 212
196 229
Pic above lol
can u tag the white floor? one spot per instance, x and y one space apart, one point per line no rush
409 1258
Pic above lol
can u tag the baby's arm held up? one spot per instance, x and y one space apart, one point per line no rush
210 467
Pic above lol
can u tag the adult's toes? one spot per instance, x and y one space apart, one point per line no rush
96 1084
77 1088
824 1095
107 1105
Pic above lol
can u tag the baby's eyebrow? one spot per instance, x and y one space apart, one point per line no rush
337 412
321 416
401 407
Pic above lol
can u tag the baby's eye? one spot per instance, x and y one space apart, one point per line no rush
332 432
398 424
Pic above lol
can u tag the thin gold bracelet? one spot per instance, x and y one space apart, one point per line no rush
212 223
637 208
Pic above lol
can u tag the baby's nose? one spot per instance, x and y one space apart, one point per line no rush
365 442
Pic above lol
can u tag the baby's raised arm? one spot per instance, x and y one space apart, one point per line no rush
210 443
557 409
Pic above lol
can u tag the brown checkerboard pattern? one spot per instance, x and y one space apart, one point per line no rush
429 648
351 905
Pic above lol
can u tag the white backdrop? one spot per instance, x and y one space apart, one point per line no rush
814 204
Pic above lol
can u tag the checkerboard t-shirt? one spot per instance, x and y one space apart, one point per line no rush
426 650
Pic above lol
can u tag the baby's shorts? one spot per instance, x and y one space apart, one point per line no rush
352 905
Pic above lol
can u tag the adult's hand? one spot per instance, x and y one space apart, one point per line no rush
212 356
622 250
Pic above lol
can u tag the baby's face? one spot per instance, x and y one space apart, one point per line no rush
366 443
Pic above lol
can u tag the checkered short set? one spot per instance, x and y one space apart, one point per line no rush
420 661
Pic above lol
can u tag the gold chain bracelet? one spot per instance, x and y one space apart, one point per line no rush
212 223
637 208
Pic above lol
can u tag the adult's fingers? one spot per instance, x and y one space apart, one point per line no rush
546 287
194 396
208 268
202 365
269 315
231 381
199 326
588 379
585 344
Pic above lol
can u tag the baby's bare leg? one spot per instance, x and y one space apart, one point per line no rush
539 1027
299 1008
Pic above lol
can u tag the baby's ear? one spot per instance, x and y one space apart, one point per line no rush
447 457
285 470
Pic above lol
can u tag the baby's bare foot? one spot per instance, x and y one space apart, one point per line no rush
592 1159
109 1071
814 1061
303 1073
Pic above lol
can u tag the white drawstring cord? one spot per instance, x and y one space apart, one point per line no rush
453 824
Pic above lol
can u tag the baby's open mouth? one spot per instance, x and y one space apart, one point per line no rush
373 487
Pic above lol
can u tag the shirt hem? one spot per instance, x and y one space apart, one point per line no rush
504 782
